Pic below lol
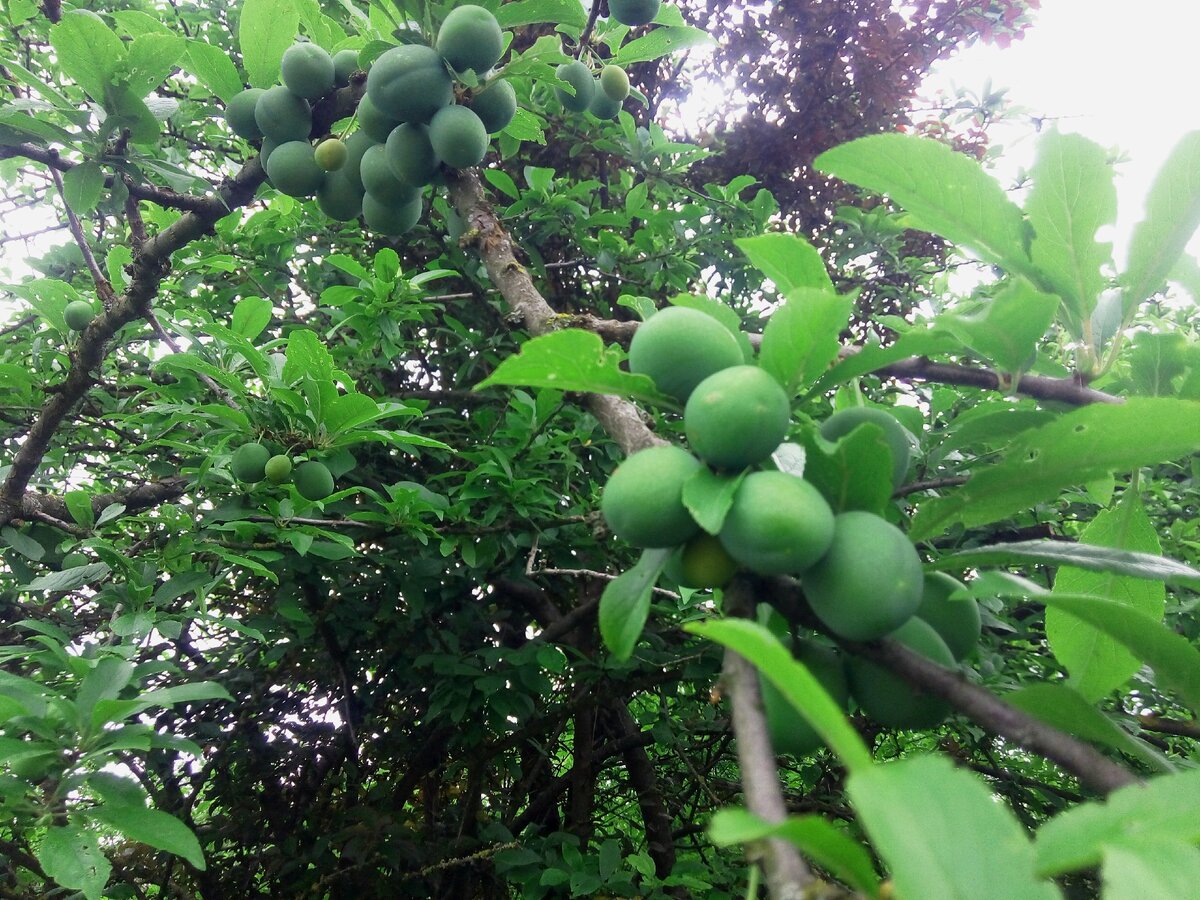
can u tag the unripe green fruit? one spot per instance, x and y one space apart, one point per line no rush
379 180
410 155
356 145
579 76
634 12
957 622
239 114
702 562
458 137
293 170
778 524
869 583
278 468
313 481
643 499
679 347
249 463
79 314
496 105
390 218
737 417
331 154
338 198
898 439
345 64
614 82
410 83
307 70
374 123
602 105
282 116
470 38
890 700
790 731
268 147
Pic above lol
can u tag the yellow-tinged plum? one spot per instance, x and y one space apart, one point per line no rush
679 347
293 170
643 499
703 562
458 137
470 38
313 480
239 114
889 699
496 105
391 218
249 462
282 116
737 417
634 12
869 582
409 83
278 468
307 70
614 82
331 154
898 439
956 621
778 524
579 76
790 731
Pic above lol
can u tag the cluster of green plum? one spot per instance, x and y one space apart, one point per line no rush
410 122
254 462
861 576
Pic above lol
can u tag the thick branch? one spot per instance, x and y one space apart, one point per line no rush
134 499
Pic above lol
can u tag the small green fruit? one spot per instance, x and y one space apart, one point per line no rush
778 524
634 12
410 155
345 64
249 463
602 105
705 563
496 105
790 731
331 154
356 145
643 499
679 347
470 38
381 182
278 468
239 114
579 76
737 417
898 439
79 314
338 198
957 622
373 123
313 480
307 70
614 82
293 170
890 700
409 83
458 137
282 116
390 218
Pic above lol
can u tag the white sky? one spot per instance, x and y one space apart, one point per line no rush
1122 73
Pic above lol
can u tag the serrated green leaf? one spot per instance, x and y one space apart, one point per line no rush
79 504
152 827
855 473
1095 662
68 579
942 833
660 42
82 186
1164 868
708 496
1172 216
152 57
250 316
572 360
793 680
214 69
1008 330
22 543
943 192
73 858
788 260
801 337
1073 196
88 51
265 30
1074 449
533 12
625 603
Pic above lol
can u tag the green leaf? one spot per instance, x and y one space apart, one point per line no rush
1007 331
943 191
801 337
79 504
1172 657
250 316
72 857
152 57
1166 868
1161 810
349 411
853 474
872 357
22 543
68 579
625 603
307 357
525 126
88 51
1073 196
819 840
708 496
152 827
572 360
533 12
1172 216
942 833
82 186
793 680
214 69
107 679
1096 663
660 42
1067 710
1074 449
266 29
788 260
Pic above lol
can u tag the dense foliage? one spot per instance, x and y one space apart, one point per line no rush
319 576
